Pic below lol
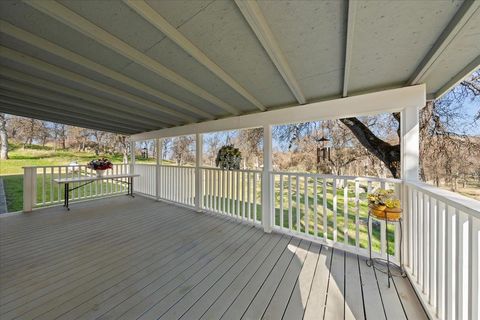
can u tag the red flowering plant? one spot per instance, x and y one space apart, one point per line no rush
100 164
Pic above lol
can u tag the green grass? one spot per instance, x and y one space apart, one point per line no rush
34 155
13 185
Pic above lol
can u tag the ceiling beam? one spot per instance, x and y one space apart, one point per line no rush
254 17
87 28
459 77
33 95
452 30
123 110
152 16
35 63
362 105
47 116
351 15
75 58
60 111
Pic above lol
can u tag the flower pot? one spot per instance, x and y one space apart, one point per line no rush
391 214
378 207
100 173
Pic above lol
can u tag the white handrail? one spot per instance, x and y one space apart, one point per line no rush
465 204
443 236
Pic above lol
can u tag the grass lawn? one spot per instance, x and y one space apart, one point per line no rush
13 185
45 156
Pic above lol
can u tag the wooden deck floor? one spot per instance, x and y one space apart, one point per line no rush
123 258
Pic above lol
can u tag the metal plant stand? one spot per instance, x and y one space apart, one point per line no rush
385 265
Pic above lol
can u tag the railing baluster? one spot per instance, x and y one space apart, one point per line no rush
441 259
432 250
59 192
315 208
305 210
243 196
450 264
219 190
345 212
462 257
369 227
237 192
357 213
383 234
249 198
224 196
426 246
44 176
281 201
255 196
473 268
335 210
290 219
297 198
325 217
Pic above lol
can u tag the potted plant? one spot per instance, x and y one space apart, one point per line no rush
228 158
100 165
383 204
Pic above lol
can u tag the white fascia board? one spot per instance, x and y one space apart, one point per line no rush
394 100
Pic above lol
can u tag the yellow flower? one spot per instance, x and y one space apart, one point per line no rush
393 203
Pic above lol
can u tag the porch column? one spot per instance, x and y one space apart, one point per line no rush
410 143
29 188
410 153
266 183
158 178
198 172
132 157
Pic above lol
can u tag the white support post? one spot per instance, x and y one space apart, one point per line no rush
132 157
158 178
409 160
198 173
266 181
410 143
29 188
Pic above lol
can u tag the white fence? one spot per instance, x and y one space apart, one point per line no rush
443 250
333 210
146 183
41 190
234 193
177 184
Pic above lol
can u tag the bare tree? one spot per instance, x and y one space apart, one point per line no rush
3 137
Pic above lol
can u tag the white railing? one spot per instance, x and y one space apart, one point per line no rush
234 193
333 210
40 190
443 251
146 183
441 234
177 184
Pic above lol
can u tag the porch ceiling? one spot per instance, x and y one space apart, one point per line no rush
140 66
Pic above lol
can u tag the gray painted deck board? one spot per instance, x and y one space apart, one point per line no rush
122 258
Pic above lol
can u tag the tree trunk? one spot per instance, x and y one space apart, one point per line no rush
3 137
385 152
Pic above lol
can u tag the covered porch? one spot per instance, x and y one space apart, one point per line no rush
120 258
200 242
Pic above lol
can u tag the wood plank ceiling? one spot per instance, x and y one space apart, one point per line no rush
133 66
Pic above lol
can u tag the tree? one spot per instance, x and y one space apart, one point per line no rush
3 137
388 153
